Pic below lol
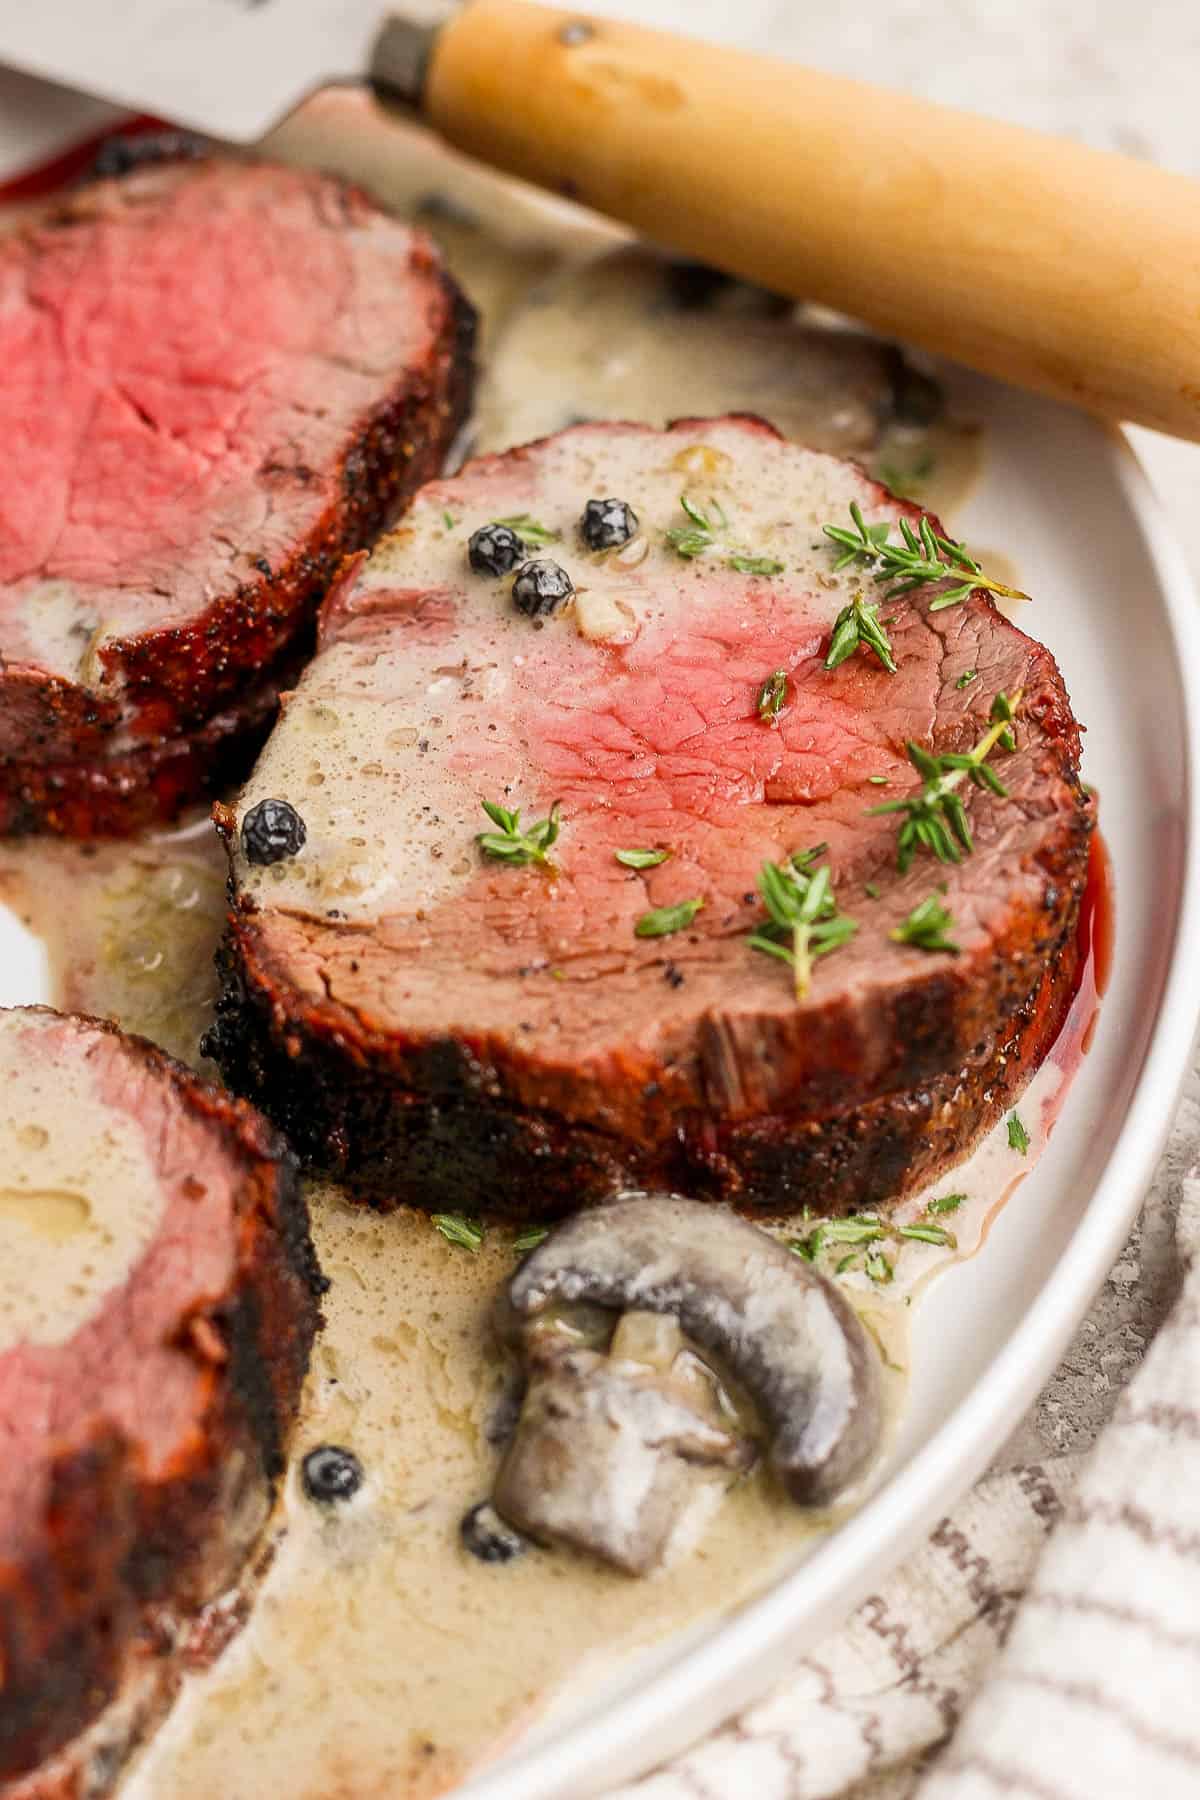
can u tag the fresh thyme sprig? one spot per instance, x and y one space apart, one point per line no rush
926 927
858 624
457 1228
705 534
804 921
920 557
530 531
771 696
511 844
936 819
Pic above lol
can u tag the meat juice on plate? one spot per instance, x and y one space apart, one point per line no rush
380 1656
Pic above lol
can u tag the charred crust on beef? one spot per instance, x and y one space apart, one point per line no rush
127 735
169 1440
411 1074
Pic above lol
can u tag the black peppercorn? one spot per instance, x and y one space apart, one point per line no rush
272 830
330 1474
607 524
485 1534
540 588
494 550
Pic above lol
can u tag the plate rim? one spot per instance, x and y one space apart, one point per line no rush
619 1742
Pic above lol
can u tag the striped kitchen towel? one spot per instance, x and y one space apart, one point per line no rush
1044 1643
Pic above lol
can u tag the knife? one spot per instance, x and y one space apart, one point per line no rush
1072 271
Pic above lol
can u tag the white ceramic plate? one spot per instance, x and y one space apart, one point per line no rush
1068 501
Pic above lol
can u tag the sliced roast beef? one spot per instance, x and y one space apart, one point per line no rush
220 378
447 1026
157 1307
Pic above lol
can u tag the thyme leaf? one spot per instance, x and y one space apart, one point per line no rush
857 626
1018 1137
922 556
928 1234
458 1228
512 845
641 859
967 677
666 919
530 531
946 1203
863 1229
926 927
803 921
771 696
530 1237
935 818
705 532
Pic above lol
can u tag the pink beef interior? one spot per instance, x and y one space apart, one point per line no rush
184 359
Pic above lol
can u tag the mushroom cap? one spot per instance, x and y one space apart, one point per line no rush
790 1337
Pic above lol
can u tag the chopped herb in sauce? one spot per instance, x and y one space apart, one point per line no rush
879 1268
530 1237
667 919
946 1203
530 531
1018 1137
928 1234
457 1228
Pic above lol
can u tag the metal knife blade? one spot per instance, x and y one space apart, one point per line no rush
228 68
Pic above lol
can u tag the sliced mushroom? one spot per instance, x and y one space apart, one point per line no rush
786 1332
619 1454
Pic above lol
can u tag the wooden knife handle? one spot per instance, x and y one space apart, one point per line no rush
1061 268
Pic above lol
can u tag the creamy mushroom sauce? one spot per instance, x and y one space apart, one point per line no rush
380 1657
